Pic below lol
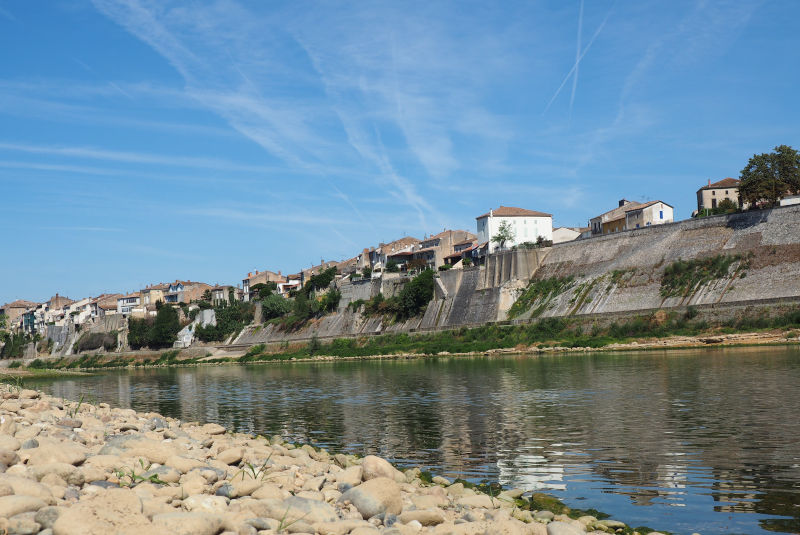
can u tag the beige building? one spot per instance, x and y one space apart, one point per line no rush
153 294
613 220
222 294
185 291
709 197
648 214
13 311
377 258
104 304
259 277
435 249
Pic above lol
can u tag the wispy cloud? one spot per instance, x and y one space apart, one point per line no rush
7 14
83 229
379 79
93 153
258 217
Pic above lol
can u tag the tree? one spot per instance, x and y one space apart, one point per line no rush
320 281
207 295
2 321
366 272
726 206
417 263
415 295
139 332
274 306
392 266
264 290
767 177
165 328
505 233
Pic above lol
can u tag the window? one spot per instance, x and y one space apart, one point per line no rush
661 214
713 192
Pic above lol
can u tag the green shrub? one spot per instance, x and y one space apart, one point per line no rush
541 292
230 318
274 306
255 350
682 277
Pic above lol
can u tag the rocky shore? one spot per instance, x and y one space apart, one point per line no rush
70 468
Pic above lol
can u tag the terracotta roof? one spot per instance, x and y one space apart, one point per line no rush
402 243
511 211
645 205
20 303
108 302
618 212
724 183
134 294
459 254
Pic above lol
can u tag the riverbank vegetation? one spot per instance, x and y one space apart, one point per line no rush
14 344
545 333
230 319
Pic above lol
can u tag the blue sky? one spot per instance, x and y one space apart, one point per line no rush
144 141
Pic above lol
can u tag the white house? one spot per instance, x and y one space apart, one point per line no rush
126 303
527 226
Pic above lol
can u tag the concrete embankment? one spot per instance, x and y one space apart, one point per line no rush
70 468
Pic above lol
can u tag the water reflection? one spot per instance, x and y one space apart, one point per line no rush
686 441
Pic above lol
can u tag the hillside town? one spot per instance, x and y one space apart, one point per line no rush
499 229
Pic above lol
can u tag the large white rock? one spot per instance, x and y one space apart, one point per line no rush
374 497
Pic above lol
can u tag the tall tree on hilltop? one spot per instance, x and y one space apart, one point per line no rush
768 177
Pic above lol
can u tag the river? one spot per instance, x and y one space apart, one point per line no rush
682 440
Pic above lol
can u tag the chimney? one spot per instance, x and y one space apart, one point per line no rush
279 272
491 212
622 202
249 274
709 182
256 272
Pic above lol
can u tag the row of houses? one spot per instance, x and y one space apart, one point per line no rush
448 249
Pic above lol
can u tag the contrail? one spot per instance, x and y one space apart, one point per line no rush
574 67
577 59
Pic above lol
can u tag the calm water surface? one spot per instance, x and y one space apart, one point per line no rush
705 441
